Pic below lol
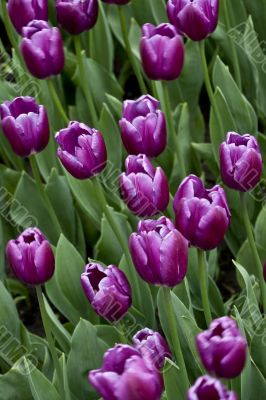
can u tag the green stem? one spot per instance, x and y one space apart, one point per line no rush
237 72
208 84
172 323
122 239
83 80
131 57
37 177
48 333
204 287
57 101
252 243
173 142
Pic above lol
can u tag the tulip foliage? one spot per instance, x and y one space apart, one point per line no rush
132 213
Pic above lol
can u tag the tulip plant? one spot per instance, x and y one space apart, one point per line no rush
132 217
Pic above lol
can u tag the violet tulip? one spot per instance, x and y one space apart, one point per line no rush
162 52
42 49
152 346
107 290
31 257
208 388
240 162
202 215
77 16
82 150
143 126
222 348
126 375
25 125
159 252
21 12
194 18
144 188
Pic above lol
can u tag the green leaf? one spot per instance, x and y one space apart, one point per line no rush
173 381
41 387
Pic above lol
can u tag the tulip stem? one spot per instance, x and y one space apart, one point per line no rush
119 235
56 100
253 247
204 287
173 142
172 324
130 54
84 80
49 337
208 84
237 72
37 177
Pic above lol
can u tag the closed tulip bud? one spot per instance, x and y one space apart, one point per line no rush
118 2
208 388
143 127
222 348
25 125
240 162
82 150
42 60
77 16
202 215
152 346
159 252
107 290
144 188
194 18
125 375
162 52
21 12
31 257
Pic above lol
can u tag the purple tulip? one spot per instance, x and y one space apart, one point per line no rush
107 290
159 252
118 2
222 348
240 161
162 52
42 49
77 16
25 125
202 215
152 346
144 189
21 12
195 18
82 150
208 388
125 375
31 257
143 127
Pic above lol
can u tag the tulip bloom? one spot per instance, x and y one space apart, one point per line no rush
107 290
194 18
143 127
208 388
31 257
25 125
240 162
82 150
202 215
144 188
152 346
24 11
222 348
162 52
125 375
77 16
42 60
159 252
